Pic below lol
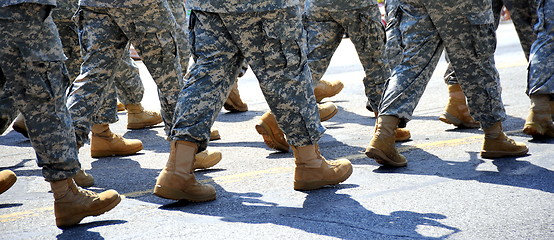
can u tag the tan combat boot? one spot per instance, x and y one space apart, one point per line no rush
7 179
214 134
327 111
19 126
539 121
325 89
138 118
234 103
382 147
272 134
400 135
72 203
456 111
83 179
120 106
105 143
206 159
177 181
497 144
313 171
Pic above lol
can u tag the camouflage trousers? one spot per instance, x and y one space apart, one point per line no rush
524 16
273 43
33 75
470 42
104 35
541 67
180 15
126 80
325 31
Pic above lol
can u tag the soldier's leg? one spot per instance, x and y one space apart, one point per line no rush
130 91
422 48
471 45
283 73
524 16
209 75
540 82
368 36
103 45
158 47
324 34
366 32
37 80
179 13
276 57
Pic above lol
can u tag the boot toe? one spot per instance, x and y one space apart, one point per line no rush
273 139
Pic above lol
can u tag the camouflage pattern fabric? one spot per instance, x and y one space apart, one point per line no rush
5 3
325 30
273 44
34 76
127 80
467 32
180 15
104 35
336 5
393 46
118 3
523 14
8 112
238 6
541 67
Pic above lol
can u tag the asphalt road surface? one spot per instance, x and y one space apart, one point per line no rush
446 192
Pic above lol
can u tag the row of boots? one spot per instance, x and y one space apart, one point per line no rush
382 147
178 182
274 137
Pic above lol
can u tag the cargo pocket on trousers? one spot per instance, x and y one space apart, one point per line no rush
483 35
282 48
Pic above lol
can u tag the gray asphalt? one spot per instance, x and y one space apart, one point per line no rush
447 191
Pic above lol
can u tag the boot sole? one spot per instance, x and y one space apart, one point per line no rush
173 194
319 184
267 134
322 96
381 158
231 107
143 125
501 154
450 119
99 154
323 119
65 222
